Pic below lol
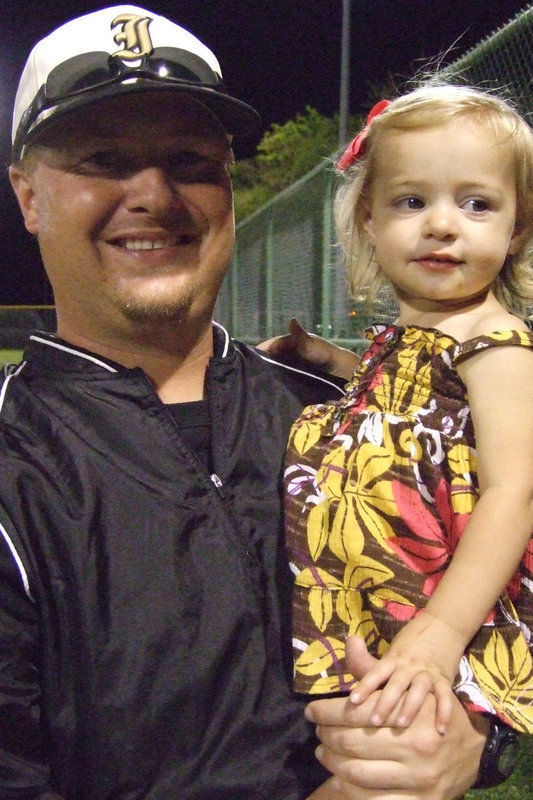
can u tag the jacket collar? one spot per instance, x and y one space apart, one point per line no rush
46 351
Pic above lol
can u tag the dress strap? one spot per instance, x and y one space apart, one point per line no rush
495 339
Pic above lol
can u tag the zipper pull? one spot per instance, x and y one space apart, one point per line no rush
218 484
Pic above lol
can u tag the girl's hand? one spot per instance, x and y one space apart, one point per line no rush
405 684
325 355
422 659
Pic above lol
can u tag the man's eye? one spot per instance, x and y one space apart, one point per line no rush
193 168
104 162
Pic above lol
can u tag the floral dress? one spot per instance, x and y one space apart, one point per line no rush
379 487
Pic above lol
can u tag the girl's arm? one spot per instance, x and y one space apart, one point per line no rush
426 653
500 393
317 351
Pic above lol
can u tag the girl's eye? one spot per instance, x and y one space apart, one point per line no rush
476 205
410 203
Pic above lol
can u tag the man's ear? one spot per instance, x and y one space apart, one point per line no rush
23 188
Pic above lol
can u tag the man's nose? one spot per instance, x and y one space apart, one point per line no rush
151 190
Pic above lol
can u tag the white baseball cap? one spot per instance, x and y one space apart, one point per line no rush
113 51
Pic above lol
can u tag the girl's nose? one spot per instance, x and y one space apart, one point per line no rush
441 221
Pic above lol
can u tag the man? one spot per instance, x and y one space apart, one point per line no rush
143 586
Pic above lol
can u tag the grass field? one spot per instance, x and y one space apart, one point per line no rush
10 356
520 784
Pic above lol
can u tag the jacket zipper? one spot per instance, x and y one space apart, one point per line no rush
218 485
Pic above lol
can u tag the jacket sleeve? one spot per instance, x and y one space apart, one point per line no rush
24 771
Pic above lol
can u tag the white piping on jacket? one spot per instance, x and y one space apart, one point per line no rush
18 561
74 352
302 372
3 392
226 338
8 540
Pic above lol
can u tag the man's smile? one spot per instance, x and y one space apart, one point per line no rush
160 243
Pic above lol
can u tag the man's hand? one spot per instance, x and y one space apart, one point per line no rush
389 763
317 351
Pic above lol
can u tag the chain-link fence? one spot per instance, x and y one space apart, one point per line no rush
286 263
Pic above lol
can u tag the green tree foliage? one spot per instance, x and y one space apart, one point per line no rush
285 153
288 151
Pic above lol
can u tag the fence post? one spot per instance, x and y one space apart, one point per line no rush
325 315
269 276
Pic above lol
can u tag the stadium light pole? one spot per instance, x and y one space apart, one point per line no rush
345 72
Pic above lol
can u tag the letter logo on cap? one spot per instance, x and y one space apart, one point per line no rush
133 35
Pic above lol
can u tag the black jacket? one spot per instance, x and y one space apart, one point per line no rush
144 622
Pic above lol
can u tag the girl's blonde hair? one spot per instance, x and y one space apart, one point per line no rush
424 107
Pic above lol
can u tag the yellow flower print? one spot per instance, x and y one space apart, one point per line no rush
306 431
319 656
315 586
324 661
320 606
501 660
365 574
366 499
331 474
315 576
318 529
403 397
463 464
349 608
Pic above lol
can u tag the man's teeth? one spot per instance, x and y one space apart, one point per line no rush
154 244
144 244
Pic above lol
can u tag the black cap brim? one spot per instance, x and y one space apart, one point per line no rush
236 117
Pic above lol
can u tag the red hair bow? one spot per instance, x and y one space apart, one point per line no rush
356 147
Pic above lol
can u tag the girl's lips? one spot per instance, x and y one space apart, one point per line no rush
438 262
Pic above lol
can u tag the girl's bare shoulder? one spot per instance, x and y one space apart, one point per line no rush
497 321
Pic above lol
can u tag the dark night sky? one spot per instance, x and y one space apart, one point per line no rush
279 56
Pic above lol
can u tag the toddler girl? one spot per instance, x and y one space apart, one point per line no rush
410 501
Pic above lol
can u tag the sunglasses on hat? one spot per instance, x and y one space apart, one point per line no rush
90 71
